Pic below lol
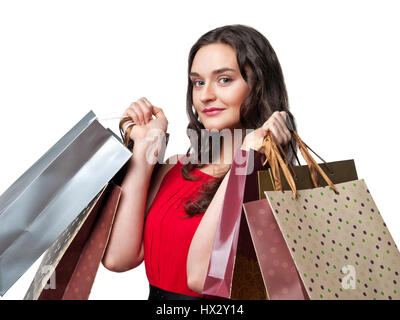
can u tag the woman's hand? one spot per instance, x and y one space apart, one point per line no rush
276 123
141 112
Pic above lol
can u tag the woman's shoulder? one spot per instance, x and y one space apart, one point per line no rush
159 175
166 166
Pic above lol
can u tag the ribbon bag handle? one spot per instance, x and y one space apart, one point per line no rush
126 132
312 164
275 161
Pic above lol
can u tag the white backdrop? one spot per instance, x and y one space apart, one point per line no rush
60 59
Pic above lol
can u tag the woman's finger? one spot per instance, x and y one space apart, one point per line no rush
279 118
148 111
272 122
276 132
132 114
277 121
138 111
145 110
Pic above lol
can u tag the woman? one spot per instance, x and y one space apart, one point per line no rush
235 82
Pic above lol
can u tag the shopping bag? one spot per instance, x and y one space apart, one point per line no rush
279 273
234 271
342 248
278 270
246 270
232 252
47 198
337 238
69 267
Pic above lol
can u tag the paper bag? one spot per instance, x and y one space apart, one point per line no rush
337 238
340 244
233 271
278 270
68 269
47 198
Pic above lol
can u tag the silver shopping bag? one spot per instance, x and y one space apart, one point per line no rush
41 204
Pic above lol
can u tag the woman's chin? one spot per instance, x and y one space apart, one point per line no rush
213 128
221 126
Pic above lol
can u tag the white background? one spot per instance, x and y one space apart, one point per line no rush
60 59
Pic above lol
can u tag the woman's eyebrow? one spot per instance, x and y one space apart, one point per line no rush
195 74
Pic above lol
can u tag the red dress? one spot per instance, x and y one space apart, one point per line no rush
168 231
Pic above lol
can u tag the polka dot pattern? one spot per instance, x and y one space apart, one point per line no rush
277 268
339 232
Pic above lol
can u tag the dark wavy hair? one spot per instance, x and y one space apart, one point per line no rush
267 95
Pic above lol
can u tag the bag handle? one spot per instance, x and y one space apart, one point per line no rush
275 160
312 164
125 134
290 127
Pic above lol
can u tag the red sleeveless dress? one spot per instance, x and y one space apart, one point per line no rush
168 231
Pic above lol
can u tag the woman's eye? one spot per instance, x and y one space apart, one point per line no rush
226 80
196 83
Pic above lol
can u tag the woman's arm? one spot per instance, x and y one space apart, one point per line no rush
124 249
203 240
119 258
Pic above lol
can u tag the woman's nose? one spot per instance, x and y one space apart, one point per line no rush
207 93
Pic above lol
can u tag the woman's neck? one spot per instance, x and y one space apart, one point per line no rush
229 145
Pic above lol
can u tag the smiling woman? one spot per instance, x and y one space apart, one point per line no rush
235 84
233 68
218 91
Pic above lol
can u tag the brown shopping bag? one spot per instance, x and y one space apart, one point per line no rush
338 171
336 236
69 267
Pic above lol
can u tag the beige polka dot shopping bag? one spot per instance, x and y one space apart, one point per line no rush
338 241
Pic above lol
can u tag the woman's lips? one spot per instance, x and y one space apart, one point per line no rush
212 111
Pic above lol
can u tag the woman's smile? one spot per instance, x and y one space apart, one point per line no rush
212 111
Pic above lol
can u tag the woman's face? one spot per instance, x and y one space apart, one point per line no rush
218 83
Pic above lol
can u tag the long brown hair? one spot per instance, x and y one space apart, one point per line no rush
267 95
